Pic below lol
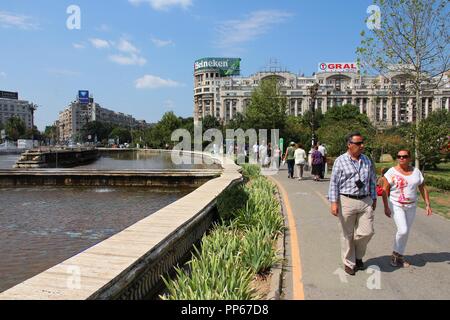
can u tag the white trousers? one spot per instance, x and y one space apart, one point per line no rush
404 218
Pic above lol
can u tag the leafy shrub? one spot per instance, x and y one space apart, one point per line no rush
250 171
257 250
440 183
216 271
230 201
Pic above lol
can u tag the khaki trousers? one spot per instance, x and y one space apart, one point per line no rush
356 220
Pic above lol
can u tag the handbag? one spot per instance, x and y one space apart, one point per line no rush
379 191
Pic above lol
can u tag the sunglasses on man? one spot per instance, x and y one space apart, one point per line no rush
401 156
357 143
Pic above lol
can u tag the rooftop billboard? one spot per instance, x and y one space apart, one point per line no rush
224 66
338 67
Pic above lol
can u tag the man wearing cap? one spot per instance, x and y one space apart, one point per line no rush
353 200
289 157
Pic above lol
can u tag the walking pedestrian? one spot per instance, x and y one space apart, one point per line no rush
290 159
317 163
400 202
323 151
353 200
300 160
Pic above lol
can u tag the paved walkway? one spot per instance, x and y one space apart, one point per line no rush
314 268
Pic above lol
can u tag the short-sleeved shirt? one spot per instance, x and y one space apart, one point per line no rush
290 153
300 156
403 187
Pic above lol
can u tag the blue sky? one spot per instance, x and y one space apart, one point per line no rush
137 56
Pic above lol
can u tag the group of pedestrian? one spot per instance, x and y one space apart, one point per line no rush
296 157
265 155
353 198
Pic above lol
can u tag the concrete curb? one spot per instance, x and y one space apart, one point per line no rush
276 283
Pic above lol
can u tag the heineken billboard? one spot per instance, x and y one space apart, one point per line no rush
224 66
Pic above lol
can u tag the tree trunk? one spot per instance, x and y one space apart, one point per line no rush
418 118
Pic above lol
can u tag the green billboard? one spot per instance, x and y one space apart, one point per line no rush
224 66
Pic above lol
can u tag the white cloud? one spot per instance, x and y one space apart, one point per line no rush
99 43
79 45
104 28
12 20
126 46
162 43
154 82
2 74
232 33
128 60
163 4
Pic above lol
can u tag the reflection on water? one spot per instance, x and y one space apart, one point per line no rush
41 227
131 160
142 160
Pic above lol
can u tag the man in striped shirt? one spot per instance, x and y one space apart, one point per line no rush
353 200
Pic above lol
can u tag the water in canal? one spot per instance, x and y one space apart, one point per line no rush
41 227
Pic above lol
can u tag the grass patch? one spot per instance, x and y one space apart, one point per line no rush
440 202
238 250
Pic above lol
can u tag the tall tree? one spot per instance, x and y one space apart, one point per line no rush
411 38
15 128
267 109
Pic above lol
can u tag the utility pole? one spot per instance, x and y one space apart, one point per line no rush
313 94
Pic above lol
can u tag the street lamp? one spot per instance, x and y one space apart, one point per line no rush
313 94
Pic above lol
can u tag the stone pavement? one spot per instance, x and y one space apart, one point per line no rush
318 247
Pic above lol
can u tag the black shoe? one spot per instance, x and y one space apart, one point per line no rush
349 270
359 265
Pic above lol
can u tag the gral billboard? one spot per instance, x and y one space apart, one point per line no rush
224 66
83 97
338 67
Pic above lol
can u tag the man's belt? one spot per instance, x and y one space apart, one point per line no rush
355 197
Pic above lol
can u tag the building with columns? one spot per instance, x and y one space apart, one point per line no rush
384 99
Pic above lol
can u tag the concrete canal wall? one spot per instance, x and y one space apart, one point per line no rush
129 265
170 178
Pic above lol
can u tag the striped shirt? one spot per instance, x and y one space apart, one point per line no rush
345 174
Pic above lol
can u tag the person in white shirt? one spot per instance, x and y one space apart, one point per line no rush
400 185
300 160
255 152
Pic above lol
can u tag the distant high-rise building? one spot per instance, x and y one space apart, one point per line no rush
11 106
84 110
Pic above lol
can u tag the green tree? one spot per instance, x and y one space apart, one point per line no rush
160 135
338 122
412 40
50 134
432 134
15 128
123 134
298 132
267 109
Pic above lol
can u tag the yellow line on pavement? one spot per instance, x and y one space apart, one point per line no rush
297 276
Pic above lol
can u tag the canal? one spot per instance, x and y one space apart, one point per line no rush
43 226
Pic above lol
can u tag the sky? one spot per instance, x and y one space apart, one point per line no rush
137 56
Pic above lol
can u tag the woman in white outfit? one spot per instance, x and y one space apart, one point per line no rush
400 185
300 160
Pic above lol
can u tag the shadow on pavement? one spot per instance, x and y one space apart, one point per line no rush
417 260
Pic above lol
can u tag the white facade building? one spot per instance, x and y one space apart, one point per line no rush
384 99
